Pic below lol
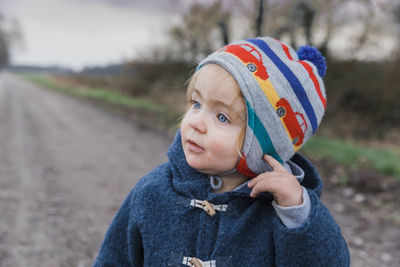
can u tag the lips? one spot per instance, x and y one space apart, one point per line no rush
193 146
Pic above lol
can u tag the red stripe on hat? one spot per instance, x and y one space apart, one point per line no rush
314 79
243 168
286 49
310 72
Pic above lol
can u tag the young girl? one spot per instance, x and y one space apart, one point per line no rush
234 191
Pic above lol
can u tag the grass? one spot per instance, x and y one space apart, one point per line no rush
384 161
97 93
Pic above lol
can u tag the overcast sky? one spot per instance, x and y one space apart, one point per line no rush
77 33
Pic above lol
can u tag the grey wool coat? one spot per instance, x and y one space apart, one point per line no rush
164 222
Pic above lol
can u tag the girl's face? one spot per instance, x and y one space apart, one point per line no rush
211 127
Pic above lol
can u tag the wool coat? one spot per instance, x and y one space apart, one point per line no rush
164 222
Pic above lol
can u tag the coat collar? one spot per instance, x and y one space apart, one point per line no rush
186 180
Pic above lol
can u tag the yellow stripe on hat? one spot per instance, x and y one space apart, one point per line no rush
273 98
268 90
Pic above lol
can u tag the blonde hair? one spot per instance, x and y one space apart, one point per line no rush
189 91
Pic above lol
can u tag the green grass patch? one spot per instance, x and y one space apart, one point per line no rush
382 160
97 93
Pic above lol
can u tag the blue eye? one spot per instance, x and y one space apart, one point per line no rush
196 105
222 118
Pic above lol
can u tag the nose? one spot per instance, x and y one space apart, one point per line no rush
199 122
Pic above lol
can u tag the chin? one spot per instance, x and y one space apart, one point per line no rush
206 169
198 166
203 166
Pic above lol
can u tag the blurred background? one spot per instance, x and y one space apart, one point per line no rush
133 59
122 44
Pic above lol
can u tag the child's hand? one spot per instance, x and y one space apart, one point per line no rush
279 182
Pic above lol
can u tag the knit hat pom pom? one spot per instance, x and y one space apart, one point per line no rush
312 54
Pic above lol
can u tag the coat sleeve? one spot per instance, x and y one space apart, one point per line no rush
122 245
318 242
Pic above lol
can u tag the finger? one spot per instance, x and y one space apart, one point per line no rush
262 176
254 193
265 185
275 165
252 182
257 178
259 188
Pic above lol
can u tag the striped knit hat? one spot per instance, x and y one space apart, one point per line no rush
284 95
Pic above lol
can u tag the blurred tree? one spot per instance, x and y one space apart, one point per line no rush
4 53
260 18
396 14
359 24
4 56
9 34
301 17
197 34
224 31
396 11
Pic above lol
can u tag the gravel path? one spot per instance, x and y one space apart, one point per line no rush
66 165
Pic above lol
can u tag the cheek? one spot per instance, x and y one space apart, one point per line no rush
184 124
225 145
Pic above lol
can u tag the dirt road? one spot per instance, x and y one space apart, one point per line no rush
66 165
65 168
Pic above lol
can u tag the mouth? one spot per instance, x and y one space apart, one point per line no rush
193 146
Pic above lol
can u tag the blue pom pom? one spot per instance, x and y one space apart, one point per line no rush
312 54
